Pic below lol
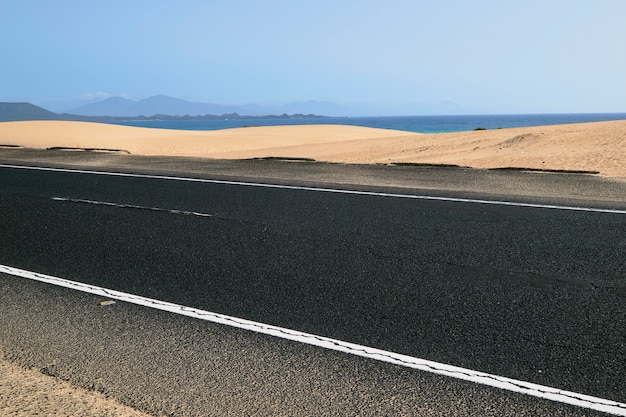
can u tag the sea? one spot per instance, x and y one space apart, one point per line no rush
419 124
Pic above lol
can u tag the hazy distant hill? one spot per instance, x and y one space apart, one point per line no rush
114 106
24 111
121 107
175 108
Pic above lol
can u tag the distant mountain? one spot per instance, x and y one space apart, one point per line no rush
121 107
27 111
24 111
112 106
165 105
170 107
177 107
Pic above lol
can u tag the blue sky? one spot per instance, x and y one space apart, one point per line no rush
484 56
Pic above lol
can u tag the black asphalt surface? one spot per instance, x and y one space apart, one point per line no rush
534 294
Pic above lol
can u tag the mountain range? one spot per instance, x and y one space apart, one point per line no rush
118 109
171 106
162 106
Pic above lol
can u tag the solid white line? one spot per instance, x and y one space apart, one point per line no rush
540 391
319 189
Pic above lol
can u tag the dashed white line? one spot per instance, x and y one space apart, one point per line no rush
535 390
320 189
132 206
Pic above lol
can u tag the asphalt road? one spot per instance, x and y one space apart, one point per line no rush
535 294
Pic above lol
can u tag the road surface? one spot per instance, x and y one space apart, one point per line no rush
528 291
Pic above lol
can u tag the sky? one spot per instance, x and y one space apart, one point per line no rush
479 56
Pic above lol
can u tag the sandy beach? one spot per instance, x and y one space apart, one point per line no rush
599 146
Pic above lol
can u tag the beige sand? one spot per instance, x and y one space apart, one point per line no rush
26 393
589 146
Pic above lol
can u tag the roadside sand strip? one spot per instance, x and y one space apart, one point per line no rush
597 146
27 392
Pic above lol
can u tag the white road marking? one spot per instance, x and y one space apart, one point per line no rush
319 189
535 390
106 203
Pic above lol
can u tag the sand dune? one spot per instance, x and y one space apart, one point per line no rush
147 141
597 146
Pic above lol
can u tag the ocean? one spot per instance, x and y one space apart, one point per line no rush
420 124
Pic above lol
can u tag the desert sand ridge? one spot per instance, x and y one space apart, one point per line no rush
599 146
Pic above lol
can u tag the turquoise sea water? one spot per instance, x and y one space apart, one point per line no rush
421 124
